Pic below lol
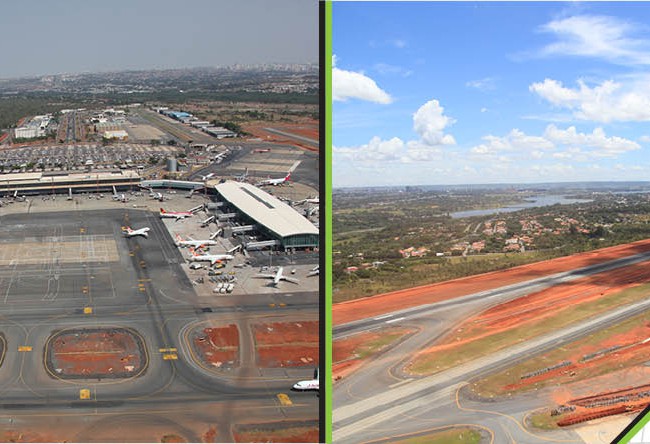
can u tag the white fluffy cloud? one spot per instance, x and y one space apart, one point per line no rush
604 37
601 145
606 102
516 140
356 85
429 122
559 143
375 150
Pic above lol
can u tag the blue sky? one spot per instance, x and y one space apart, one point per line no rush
456 93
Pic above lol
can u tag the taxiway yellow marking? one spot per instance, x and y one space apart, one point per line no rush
170 357
84 394
284 399
282 304
88 310
144 280
271 305
25 348
166 350
82 230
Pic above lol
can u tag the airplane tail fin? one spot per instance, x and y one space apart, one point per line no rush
162 211
288 176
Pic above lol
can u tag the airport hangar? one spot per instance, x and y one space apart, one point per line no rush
270 216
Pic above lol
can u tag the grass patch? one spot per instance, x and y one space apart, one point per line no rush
454 436
435 362
373 347
543 420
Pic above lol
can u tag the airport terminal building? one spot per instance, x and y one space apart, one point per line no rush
50 183
273 218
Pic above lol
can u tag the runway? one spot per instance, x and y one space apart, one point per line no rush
380 401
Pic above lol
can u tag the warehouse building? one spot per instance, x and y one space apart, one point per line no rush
273 218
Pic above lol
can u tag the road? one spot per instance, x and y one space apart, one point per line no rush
380 401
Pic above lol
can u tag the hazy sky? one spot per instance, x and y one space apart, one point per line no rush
48 37
455 93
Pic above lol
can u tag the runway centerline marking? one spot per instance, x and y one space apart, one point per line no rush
395 320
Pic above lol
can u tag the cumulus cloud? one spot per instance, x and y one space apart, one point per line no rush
516 140
605 102
602 146
558 143
429 122
356 85
604 37
375 150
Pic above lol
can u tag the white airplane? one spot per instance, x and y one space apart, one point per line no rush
242 177
275 182
311 200
311 384
277 277
212 258
120 197
193 242
175 214
206 177
314 271
129 232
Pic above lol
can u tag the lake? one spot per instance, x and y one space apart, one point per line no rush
537 201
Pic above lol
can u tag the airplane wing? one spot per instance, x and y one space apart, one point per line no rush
292 280
214 261
267 276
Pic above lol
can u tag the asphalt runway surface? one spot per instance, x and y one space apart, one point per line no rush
146 290
379 401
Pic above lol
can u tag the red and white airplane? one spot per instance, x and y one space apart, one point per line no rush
212 258
193 242
175 214
275 182
129 232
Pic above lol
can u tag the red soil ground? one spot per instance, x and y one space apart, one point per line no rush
91 353
549 302
349 311
633 351
275 432
287 344
286 333
219 346
307 129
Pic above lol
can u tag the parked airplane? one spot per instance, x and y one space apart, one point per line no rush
175 214
120 197
311 200
213 258
311 384
206 177
129 232
277 277
314 271
275 182
193 242
242 177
